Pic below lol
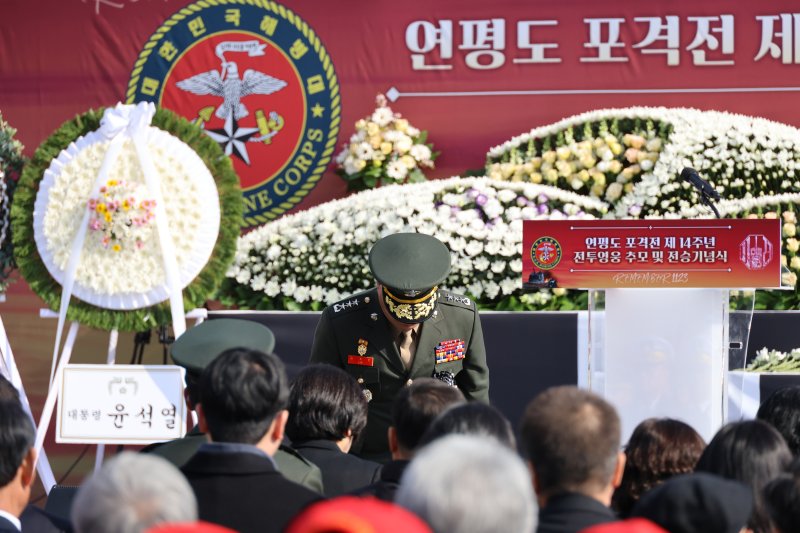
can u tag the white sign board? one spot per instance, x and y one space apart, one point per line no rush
121 404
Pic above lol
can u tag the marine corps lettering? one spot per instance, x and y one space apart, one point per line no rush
450 350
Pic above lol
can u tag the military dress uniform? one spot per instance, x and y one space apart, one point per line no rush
356 335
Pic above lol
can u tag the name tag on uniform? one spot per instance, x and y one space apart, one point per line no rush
360 360
450 350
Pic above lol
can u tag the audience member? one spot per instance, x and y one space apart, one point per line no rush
17 463
7 390
658 449
348 514
572 440
752 452
415 407
472 419
782 410
469 484
782 500
327 413
194 350
697 503
131 493
243 397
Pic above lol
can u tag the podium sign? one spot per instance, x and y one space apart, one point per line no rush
604 254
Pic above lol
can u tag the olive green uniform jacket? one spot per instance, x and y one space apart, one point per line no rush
291 464
358 321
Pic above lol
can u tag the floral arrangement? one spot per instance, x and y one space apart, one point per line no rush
315 257
767 360
384 149
133 267
118 219
118 222
11 162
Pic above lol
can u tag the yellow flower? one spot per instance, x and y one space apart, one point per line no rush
789 216
111 183
795 263
789 230
401 124
558 291
375 141
583 175
551 175
536 177
107 217
116 247
771 215
408 161
792 245
549 157
563 153
361 124
635 141
372 129
386 148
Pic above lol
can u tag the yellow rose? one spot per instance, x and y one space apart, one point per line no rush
795 263
375 141
551 175
771 215
401 124
583 175
549 157
789 230
616 148
507 169
598 177
563 153
792 245
408 161
598 190
615 166
628 188
536 177
386 148
631 155
360 164
653 145
536 163
558 291
635 141
789 216
373 129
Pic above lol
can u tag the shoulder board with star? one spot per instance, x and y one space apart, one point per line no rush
458 300
351 303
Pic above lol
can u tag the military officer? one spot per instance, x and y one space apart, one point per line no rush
404 328
194 350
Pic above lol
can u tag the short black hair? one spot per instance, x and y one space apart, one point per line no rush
472 418
7 390
417 405
324 403
572 438
16 439
782 410
241 391
750 451
782 500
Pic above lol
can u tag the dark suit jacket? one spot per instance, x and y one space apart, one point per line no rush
244 491
341 472
36 520
359 321
571 512
386 487
291 464
7 527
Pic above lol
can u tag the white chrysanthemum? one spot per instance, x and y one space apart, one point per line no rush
382 116
420 152
396 170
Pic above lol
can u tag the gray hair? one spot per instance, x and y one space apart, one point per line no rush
469 484
131 493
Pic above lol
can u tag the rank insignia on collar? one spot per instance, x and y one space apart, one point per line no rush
450 350
362 347
374 316
367 394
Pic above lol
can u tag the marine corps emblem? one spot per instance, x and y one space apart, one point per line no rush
545 253
258 80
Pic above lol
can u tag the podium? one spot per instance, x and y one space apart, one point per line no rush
658 333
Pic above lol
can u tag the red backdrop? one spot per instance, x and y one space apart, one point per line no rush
61 57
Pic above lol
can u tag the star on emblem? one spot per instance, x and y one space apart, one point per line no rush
233 138
317 110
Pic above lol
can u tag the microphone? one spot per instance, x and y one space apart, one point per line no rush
705 188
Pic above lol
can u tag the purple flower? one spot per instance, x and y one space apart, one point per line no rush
481 200
542 199
543 209
454 209
635 210
522 201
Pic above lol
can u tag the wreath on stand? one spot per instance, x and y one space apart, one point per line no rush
121 223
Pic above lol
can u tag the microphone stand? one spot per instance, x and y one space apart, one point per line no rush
706 198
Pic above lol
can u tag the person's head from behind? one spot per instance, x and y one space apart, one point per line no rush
17 457
415 408
326 403
781 499
572 439
752 452
469 484
472 418
7 390
658 449
782 410
131 493
243 397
